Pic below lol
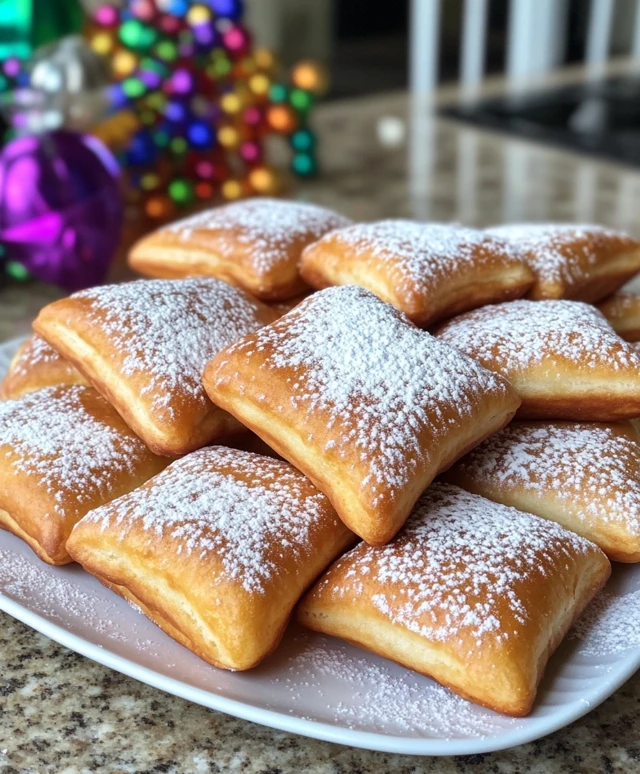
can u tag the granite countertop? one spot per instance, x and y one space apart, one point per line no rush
60 712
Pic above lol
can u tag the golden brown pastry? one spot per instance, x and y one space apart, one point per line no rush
282 307
216 550
622 309
471 593
429 271
143 346
563 357
365 404
585 476
255 244
37 365
582 262
63 451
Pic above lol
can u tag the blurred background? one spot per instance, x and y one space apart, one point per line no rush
117 116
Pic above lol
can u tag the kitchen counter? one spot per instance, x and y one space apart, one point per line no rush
61 712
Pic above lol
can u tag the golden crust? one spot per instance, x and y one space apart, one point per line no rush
143 346
64 451
471 593
365 404
428 271
562 357
622 309
584 476
579 262
34 366
255 244
216 550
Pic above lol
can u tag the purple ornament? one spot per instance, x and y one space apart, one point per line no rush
60 207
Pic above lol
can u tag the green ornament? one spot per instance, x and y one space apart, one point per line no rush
304 165
16 271
303 140
181 191
278 93
301 100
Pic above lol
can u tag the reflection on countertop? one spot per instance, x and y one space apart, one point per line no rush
382 157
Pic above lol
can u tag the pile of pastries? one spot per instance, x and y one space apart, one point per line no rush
301 413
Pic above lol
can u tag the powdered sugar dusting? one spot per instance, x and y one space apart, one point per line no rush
522 333
381 383
166 331
269 227
611 624
620 302
75 454
379 696
562 252
461 567
247 509
58 594
590 464
422 255
36 353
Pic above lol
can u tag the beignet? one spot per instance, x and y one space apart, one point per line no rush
471 593
563 358
365 404
582 262
255 244
63 451
143 346
429 271
585 476
37 365
216 550
622 309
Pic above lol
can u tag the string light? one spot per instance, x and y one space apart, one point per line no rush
204 100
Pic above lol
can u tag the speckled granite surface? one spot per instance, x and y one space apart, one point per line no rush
60 712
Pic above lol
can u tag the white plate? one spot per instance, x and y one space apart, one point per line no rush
318 686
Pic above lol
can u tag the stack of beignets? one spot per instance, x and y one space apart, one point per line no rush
366 409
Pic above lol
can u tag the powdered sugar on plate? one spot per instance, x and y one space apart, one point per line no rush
379 695
563 252
164 332
519 334
380 384
611 624
62 438
268 227
592 468
254 513
462 567
420 256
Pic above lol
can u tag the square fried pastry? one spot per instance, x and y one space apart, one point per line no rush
563 357
255 244
37 365
64 451
143 346
429 271
580 262
365 404
216 550
472 593
585 476
622 309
